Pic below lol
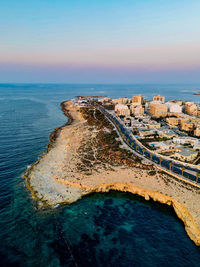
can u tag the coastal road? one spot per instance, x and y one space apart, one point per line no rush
177 169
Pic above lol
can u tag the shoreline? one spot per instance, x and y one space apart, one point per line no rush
54 135
52 138
78 188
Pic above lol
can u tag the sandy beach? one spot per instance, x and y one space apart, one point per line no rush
74 167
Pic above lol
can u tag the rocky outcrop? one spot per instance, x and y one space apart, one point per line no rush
51 182
182 212
191 228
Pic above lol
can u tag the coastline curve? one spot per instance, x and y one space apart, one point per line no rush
181 210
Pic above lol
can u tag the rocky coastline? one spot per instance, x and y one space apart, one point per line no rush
85 156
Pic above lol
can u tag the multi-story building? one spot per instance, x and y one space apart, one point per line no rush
159 98
122 110
191 108
123 100
153 125
184 140
186 125
173 121
174 108
197 130
137 100
158 110
185 154
105 100
137 110
166 133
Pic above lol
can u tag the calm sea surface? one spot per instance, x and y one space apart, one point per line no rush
114 229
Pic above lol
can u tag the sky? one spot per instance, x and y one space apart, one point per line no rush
100 41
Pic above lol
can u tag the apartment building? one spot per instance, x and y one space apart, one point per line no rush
159 98
158 110
122 110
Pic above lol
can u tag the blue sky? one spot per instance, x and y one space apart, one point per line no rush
99 41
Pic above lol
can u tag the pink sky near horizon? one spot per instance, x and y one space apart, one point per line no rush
62 73
164 57
90 40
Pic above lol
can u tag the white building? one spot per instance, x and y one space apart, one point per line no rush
185 154
194 142
122 110
105 100
184 140
174 107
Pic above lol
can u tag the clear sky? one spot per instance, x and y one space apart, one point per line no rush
100 41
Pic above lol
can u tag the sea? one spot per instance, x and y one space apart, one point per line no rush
108 229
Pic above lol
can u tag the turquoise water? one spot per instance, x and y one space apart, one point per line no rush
113 229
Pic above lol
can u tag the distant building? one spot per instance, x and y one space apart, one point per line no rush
137 110
159 98
146 106
174 108
115 101
105 100
185 154
122 110
166 133
164 146
123 100
191 108
82 103
196 145
197 130
173 121
137 100
153 125
145 133
187 141
158 110
184 140
186 125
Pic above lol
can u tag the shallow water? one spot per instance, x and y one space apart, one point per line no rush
114 229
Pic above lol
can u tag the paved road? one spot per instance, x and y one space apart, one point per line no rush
182 170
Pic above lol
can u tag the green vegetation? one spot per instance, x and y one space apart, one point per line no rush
109 106
95 118
108 147
147 145
152 172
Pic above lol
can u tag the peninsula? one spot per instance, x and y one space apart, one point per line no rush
89 155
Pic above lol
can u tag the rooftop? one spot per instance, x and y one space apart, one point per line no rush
186 152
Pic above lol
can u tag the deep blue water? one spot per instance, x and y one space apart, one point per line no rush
114 229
